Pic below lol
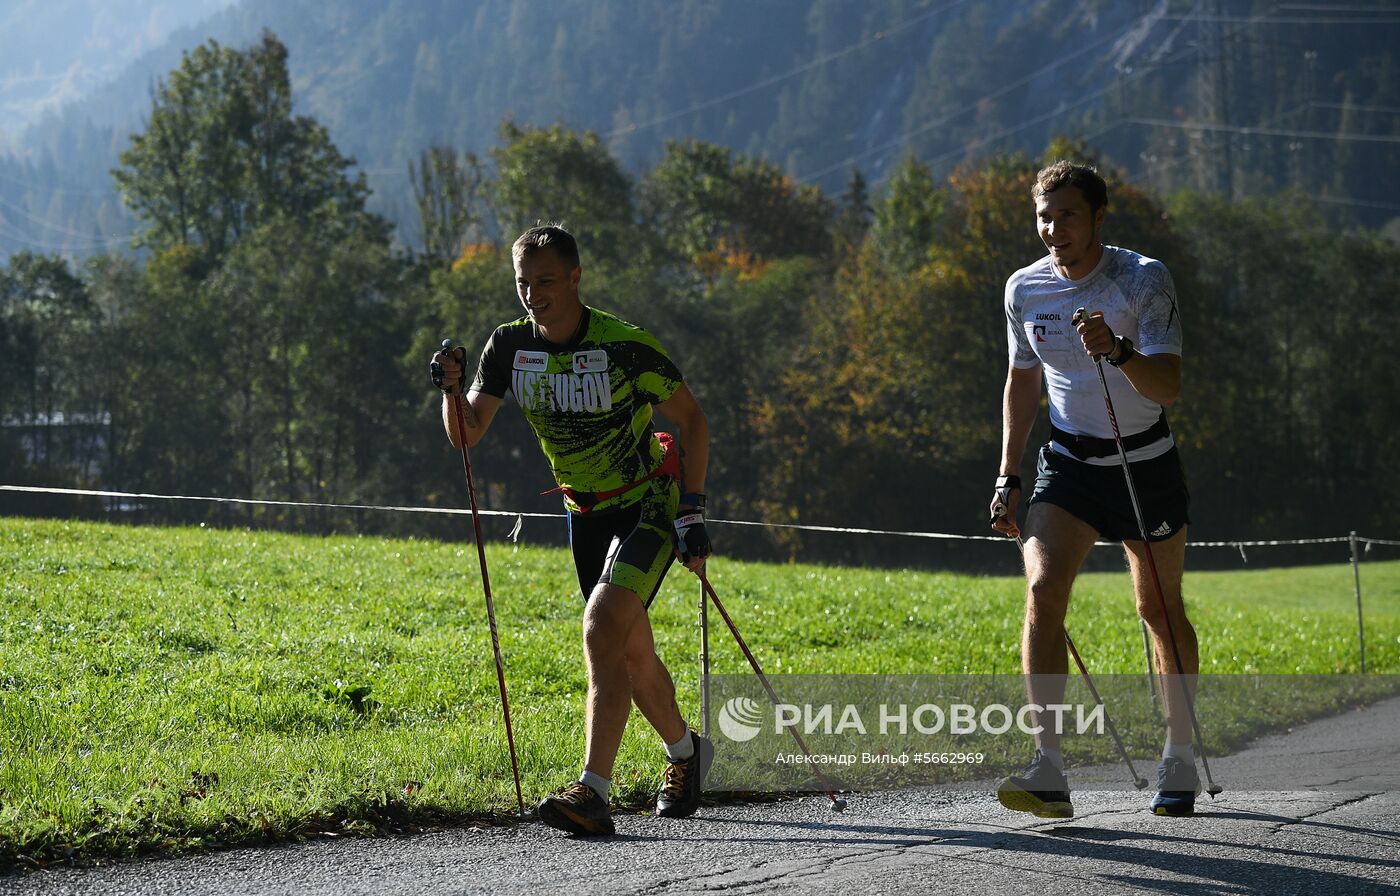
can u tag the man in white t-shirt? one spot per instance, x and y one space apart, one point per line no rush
1080 493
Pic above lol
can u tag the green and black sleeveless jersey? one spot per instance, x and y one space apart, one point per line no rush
589 402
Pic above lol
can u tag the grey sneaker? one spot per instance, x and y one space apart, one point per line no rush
1041 790
683 782
1177 787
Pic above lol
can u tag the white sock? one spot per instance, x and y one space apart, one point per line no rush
600 785
682 749
1184 752
1056 758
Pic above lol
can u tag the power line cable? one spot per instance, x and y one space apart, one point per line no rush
1352 107
1264 131
46 223
1332 7
1293 20
968 107
1259 18
17 236
1122 78
783 76
66 191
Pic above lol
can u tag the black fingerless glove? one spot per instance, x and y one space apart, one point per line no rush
691 538
435 370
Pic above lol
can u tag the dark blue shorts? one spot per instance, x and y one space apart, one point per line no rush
1099 495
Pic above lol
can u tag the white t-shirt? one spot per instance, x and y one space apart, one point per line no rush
1138 300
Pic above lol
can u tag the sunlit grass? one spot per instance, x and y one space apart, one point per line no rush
160 688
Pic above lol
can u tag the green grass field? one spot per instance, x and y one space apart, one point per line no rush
163 689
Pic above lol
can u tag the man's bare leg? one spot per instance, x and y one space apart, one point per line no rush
1170 559
1056 544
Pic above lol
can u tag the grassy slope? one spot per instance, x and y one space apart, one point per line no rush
160 688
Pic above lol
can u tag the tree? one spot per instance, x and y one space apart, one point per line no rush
908 217
49 366
169 420
222 153
715 209
449 189
250 350
1281 401
554 174
853 220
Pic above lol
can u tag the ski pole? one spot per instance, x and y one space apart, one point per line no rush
486 584
1138 780
837 804
1212 788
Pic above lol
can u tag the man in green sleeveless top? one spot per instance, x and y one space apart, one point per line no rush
587 383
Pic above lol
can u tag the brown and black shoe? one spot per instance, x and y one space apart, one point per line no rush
684 780
577 809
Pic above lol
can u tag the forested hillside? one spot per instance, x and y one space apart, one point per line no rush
58 51
1234 97
849 350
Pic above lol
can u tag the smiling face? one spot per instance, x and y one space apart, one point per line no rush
1069 227
548 289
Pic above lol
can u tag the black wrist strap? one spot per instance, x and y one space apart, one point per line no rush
1009 481
1125 352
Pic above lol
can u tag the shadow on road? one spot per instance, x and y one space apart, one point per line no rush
1278 870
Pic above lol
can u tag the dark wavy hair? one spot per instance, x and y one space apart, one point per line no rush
1064 173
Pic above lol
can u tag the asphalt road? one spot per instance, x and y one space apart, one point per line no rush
1341 839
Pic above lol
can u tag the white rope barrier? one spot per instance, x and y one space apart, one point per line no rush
145 496
850 530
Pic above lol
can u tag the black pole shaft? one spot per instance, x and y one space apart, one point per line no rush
1138 781
1152 568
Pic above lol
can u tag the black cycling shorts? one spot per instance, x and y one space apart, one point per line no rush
632 546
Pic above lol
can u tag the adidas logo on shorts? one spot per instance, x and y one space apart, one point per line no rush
1162 531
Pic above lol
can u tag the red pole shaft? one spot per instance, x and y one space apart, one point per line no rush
490 606
763 679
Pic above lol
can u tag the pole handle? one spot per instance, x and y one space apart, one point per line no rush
998 512
1080 315
448 347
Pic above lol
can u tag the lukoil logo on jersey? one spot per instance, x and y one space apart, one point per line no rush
741 719
531 361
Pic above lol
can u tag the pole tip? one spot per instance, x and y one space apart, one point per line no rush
1140 783
1214 789
838 805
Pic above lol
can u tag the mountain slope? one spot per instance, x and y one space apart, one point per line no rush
56 52
1227 95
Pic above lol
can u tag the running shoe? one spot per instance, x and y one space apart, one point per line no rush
577 809
1041 790
679 796
1177 787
